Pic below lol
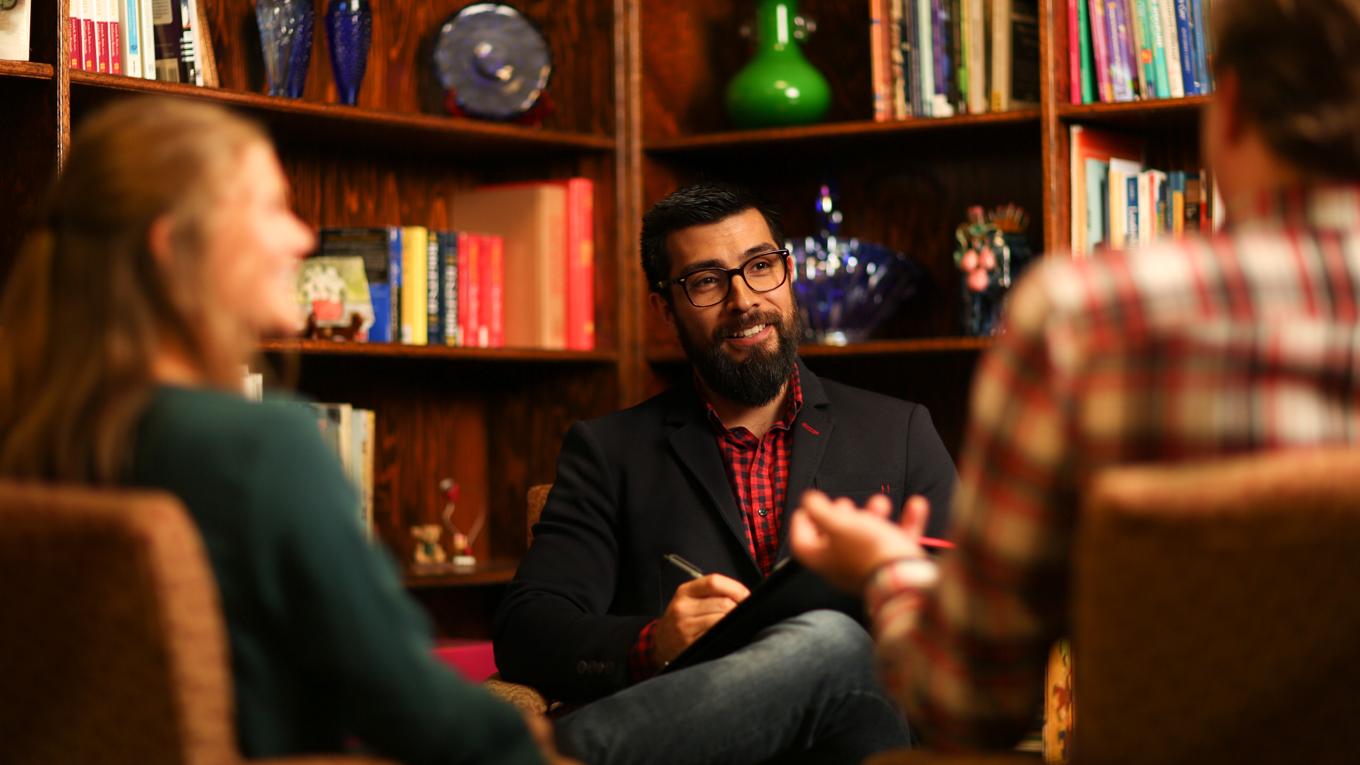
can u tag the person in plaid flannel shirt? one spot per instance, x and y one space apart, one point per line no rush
1243 340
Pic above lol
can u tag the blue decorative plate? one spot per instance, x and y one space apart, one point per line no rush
493 59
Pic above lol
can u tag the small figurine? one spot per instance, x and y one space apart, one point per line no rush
991 253
463 557
429 556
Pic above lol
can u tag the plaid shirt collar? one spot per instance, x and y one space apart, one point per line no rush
793 404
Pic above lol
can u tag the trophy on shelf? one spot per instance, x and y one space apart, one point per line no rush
462 559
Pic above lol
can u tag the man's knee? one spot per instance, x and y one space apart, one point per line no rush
825 637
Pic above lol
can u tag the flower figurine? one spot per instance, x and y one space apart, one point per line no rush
463 558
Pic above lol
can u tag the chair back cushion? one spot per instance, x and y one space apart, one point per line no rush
114 649
1216 614
538 497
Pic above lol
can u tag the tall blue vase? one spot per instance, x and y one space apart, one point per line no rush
349 27
286 42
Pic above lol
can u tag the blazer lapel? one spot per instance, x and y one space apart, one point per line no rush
696 448
811 434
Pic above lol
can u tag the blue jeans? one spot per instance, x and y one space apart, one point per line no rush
807 684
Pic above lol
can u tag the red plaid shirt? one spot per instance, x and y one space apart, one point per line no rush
759 471
1245 341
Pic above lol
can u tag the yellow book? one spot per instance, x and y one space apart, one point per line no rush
415 242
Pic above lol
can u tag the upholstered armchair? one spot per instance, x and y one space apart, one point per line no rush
527 698
113 649
1215 613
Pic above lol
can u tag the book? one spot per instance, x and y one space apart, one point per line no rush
493 292
580 277
75 32
414 253
449 244
368 435
1095 213
332 292
168 30
130 24
1186 43
1121 170
102 36
16 29
1088 77
470 289
434 269
880 62
147 39
1175 81
89 23
1103 145
380 249
531 219
1100 46
899 49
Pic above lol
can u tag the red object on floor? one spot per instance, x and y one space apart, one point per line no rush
473 659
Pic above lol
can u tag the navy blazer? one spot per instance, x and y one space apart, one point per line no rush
649 480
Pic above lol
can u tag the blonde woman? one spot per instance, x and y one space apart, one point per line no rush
167 250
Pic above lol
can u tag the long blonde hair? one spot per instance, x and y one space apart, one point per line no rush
88 307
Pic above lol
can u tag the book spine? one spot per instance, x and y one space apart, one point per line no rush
925 54
1158 39
1001 56
1206 74
75 29
943 66
897 63
1192 208
1177 212
494 292
147 36
449 284
102 36
434 326
1173 52
1131 232
1073 52
912 53
131 32
116 58
581 264
1187 48
1121 77
1142 24
1088 78
1136 41
88 25
470 277
959 77
977 51
396 283
191 63
879 61
169 33
1099 31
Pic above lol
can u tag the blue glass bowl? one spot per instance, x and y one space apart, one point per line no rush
846 287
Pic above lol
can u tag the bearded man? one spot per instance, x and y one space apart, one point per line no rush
710 470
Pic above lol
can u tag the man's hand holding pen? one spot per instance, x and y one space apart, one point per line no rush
698 605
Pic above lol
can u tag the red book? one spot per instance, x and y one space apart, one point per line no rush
493 291
470 290
580 297
115 38
76 30
101 32
1074 49
90 47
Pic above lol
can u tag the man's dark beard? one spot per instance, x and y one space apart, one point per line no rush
758 379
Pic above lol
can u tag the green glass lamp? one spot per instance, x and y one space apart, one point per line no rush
779 86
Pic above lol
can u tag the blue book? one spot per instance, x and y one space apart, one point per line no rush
448 289
1131 203
1187 43
1122 73
1201 50
394 282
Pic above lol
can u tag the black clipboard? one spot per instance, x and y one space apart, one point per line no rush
788 591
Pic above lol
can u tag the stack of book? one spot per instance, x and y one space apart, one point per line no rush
1119 202
1123 50
939 58
164 40
351 433
517 270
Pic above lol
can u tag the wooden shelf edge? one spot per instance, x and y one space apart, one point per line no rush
31 70
395 350
452 127
1189 104
493 572
854 350
862 128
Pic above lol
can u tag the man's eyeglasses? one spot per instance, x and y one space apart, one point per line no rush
710 286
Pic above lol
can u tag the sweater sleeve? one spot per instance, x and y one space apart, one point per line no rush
339 604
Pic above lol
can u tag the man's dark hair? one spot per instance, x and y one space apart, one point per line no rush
1298 65
694 205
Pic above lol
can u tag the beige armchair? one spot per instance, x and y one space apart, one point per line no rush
525 697
1215 613
113 649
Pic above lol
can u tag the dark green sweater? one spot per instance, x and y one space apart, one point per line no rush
325 644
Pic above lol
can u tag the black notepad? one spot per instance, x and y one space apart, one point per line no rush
788 591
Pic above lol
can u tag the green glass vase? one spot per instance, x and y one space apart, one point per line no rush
779 86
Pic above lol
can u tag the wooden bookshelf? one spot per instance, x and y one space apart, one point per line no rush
435 352
417 133
31 70
492 572
834 134
637 96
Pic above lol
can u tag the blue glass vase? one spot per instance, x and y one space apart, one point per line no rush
286 42
349 28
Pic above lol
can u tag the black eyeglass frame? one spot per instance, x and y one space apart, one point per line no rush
730 273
